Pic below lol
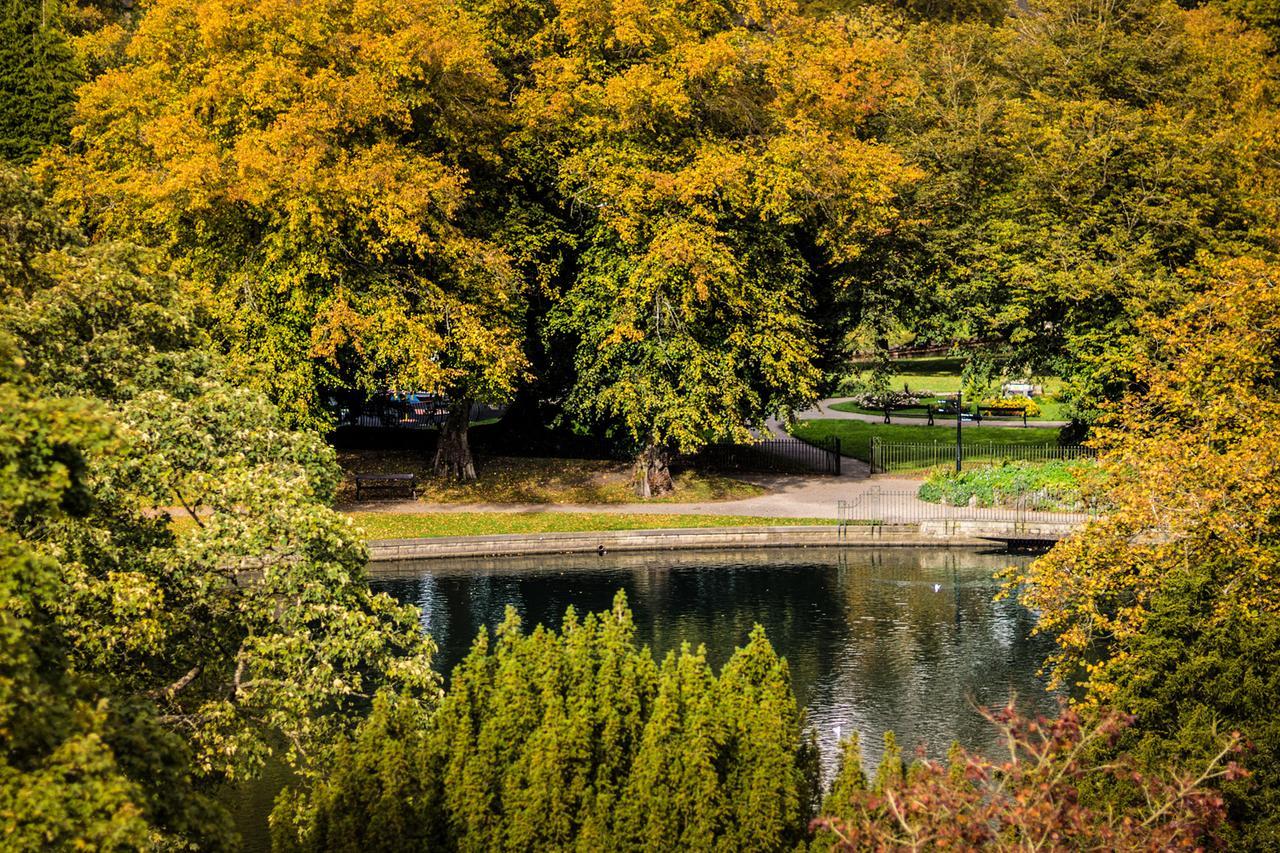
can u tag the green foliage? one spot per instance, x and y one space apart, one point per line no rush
1167 607
721 163
1262 14
1051 485
1197 679
38 76
80 767
188 658
1077 155
576 740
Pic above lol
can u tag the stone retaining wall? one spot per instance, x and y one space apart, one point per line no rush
824 536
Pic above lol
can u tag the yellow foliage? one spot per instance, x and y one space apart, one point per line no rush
300 158
1193 462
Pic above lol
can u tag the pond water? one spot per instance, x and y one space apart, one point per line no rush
901 639
908 640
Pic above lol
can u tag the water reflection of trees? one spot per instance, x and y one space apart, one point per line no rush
896 638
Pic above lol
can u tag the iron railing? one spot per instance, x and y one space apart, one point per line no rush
916 456
880 506
771 455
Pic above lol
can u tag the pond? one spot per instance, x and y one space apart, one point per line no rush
908 640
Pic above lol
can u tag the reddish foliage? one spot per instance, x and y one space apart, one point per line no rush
1031 800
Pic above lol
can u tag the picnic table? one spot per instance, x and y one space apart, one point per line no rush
383 481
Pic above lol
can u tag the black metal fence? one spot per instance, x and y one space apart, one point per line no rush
881 506
772 455
916 456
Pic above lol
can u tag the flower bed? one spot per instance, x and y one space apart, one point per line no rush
1049 485
1022 404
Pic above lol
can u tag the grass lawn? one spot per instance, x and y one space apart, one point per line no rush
514 479
941 375
855 436
381 525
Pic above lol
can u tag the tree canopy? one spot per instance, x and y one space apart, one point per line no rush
179 601
311 166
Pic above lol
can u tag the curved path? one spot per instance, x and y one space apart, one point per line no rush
823 410
789 496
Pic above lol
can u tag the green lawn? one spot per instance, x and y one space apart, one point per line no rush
941 375
377 525
855 436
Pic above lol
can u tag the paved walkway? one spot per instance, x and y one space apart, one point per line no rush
789 496
824 410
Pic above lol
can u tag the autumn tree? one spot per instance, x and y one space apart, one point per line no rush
1167 608
1027 799
1077 155
715 159
313 167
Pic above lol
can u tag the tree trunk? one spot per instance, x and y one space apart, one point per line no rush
453 452
653 474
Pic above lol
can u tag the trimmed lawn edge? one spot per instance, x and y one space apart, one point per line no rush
383 526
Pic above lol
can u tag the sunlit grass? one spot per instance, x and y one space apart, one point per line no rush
513 479
377 525
855 436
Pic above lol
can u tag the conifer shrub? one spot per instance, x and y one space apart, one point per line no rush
576 739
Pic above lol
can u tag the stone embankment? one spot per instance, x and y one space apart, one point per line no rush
929 533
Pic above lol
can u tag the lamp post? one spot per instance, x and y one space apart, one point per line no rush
959 436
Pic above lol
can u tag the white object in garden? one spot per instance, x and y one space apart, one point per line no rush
1019 389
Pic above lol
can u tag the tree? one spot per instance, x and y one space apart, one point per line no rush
1257 13
1167 607
717 159
1077 156
208 637
311 165
38 76
576 740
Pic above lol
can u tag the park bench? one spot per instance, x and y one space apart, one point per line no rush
1003 412
375 481
946 409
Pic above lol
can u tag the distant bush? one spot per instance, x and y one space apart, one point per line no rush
1054 485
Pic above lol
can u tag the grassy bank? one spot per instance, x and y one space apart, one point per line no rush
378 525
514 479
855 436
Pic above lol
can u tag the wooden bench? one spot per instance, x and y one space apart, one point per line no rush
1003 412
372 481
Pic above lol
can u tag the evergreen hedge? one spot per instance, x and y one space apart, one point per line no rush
574 740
